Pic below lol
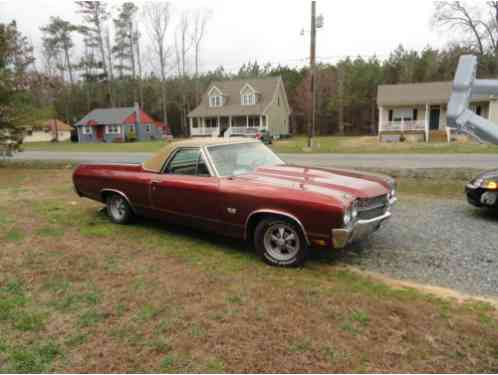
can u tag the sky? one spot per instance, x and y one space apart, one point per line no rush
270 30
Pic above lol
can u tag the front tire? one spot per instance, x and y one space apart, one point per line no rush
118 209
280 242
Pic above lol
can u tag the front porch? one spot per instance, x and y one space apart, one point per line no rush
218 126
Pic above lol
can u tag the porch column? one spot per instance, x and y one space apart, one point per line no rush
381 114
202 125
247 121
427 123
260 121
191 121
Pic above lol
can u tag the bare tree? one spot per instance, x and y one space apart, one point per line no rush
95 15
200 18
465 18
138 58
158 20
183 45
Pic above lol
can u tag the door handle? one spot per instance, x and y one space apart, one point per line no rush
154 184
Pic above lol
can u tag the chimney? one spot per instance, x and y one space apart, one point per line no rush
137 114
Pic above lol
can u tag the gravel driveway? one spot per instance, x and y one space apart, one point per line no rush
435 241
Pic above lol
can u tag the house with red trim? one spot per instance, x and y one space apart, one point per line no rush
123 124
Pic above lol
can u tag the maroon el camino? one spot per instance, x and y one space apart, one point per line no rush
240 188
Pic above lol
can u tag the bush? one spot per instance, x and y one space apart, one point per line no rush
131 137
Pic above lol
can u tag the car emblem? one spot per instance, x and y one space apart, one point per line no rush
232 211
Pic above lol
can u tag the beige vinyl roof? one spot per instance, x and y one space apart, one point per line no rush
156 162
230 89
417 94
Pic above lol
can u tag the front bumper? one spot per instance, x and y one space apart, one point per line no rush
359 230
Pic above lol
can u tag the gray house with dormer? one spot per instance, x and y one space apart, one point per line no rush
242 107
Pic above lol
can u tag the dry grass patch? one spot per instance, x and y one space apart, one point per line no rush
94 297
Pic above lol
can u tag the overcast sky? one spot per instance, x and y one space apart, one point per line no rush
269 30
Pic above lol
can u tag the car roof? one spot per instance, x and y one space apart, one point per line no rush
156 162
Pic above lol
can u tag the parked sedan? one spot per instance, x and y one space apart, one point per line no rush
482 191
240 188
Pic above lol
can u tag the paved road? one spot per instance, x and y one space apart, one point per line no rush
394 161
440 242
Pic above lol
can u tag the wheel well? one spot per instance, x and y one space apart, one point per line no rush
256 218
105 193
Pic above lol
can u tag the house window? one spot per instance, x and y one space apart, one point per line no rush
195 123
131 129
86 130
403 114
113 129
30 132
215 101
148 128
211 123
253 122
248 99
478 110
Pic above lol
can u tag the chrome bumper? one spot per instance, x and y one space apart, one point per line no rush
359 230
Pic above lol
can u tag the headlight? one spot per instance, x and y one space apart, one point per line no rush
348 216
490 185
354 211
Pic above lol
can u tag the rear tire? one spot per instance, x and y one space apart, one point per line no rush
280 242
118 209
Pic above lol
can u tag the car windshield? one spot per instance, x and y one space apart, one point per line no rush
239 158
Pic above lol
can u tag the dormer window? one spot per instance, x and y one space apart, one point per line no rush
215 97
215 101
248 95
248 99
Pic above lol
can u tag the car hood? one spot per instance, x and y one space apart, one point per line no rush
488 175
342 185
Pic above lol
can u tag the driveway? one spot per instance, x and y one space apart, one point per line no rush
390 161
440 242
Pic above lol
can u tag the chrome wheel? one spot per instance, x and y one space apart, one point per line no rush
282 242
118 208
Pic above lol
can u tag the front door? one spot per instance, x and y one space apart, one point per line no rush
99 133
186 191
434 118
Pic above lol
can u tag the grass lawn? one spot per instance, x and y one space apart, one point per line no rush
151 146
370 145
79 294
355 145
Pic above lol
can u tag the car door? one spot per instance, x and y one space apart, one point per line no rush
186 190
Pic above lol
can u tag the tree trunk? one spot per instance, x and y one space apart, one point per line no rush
373 122
340 101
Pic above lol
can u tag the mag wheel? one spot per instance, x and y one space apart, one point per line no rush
118 209
280 243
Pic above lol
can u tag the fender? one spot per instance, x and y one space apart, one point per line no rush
103 191
281 213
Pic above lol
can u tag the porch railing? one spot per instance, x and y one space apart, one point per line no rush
403 126
204 131
244 130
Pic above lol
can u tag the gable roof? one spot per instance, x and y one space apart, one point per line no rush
418 94
264 87
106 116
50 124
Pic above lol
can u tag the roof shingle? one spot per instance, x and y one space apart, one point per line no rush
264 87
107 116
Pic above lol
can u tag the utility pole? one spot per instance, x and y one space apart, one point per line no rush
311 124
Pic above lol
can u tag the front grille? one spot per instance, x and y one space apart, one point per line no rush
369 208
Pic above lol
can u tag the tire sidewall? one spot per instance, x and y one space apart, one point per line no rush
126 217
259 235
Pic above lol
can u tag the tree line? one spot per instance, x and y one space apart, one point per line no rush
114 66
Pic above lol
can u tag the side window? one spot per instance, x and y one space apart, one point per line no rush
188 162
